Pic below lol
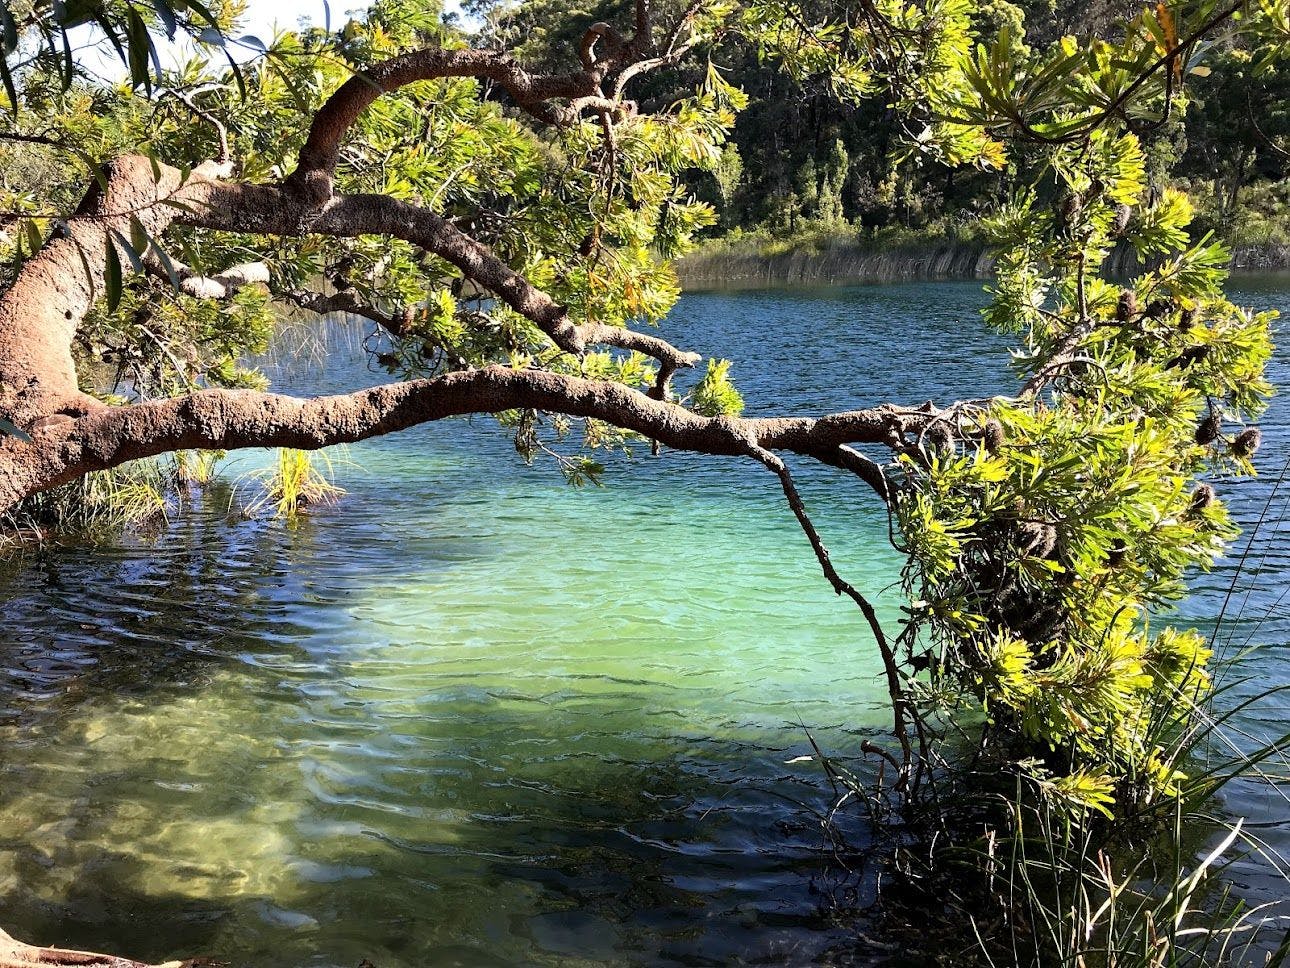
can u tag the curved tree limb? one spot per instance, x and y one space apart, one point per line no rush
314 174
234 419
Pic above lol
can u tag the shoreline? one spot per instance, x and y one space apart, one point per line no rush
848 262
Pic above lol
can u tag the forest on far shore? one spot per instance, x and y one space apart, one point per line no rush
803 165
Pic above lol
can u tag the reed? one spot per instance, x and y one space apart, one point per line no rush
297 479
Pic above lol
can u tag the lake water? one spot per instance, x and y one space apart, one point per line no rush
472 716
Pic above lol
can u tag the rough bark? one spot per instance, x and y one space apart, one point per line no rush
54 290
73 435
233 419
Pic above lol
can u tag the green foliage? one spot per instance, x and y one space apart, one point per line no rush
295 481
715 395
94 506
1046 532
1051 527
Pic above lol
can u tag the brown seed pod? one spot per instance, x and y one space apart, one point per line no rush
1038 539
1247 442
1192 354
938 437
1188 319
1127 307
1209 428
1122 215
1201 498
1158 309
993 436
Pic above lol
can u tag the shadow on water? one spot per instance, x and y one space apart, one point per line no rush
203 751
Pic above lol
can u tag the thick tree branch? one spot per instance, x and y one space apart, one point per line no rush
223 284
271 211
315 171
232 419
54 290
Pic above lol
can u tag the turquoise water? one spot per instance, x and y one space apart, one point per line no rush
470 715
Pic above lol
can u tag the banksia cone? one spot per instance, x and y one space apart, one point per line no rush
1115 557
1201 498
1209 429
993 436
1247 442
1127 307
1188 319
1038 539
1158 308
939 438
1071 206
1122 215
1192 354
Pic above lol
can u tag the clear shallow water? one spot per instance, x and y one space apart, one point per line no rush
472 716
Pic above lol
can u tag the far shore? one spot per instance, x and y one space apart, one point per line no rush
846 261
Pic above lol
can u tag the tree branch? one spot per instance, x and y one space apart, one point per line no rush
271 211
233 419
316 167
19 954
841 586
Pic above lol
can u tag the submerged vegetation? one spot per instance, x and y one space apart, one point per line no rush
509 231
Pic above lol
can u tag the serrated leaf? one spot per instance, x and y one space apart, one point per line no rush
112 276
9 29
9 88
140 48
138 235
167 17
204 12
167 265
34 238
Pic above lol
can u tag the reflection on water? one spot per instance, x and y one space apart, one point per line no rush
469 715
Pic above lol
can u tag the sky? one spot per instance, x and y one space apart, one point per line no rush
263 19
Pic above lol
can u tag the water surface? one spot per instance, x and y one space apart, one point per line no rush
470 715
